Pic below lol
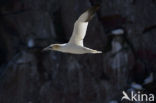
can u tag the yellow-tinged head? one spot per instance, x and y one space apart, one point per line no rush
53 47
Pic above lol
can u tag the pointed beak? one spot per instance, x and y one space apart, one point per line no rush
47 48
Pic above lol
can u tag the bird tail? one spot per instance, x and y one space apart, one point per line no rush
95 51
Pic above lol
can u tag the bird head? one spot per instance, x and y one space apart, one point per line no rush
52 47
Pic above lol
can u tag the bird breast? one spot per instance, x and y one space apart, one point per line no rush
72 48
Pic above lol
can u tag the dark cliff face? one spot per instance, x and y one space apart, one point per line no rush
28 75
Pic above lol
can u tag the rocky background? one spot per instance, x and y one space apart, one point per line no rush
28 75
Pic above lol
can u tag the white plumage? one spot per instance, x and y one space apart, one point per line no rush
75 44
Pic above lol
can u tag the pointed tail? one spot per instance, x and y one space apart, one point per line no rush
95 51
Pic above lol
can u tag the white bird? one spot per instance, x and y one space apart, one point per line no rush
136 86
75 44
149 79
119 31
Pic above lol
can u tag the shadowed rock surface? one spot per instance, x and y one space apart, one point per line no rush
28 75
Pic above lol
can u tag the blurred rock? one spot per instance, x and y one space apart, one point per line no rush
28 75
149 79
136 86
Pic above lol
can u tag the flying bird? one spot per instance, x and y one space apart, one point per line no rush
75 44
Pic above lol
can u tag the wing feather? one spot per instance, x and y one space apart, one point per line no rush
80 26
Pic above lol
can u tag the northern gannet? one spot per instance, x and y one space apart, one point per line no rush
75 44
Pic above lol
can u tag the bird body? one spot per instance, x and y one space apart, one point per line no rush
72 48
75 44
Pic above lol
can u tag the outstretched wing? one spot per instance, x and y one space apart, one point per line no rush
80 26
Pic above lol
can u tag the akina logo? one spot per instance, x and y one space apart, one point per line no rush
138 96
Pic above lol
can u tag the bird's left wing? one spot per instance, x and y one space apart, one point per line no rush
80 26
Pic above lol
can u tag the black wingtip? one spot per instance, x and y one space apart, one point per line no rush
92 11
96 6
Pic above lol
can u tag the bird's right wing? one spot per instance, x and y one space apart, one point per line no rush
80 26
